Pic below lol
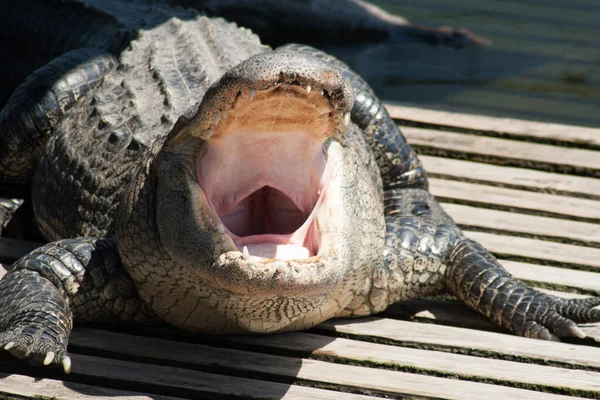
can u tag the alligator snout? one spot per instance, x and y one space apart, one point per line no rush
270 77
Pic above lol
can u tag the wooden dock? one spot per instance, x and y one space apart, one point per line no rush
528 191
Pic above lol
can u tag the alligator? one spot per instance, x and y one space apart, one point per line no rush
208 181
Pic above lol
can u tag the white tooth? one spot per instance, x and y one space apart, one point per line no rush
225 113
217 118
220 228
347 118
308 88
322 92
252 94
245 253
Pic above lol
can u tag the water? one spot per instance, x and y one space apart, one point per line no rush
544 63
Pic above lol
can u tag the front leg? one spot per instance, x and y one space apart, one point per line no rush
427 254
74 279
476 277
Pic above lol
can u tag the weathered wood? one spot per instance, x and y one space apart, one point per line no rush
513 198
311 370
529 178
455 313
467 340
441 312
197 384
523 223
538 249
462 366
553 275
517 127
35 388
503 148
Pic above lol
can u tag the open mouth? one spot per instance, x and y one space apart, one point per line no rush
264 170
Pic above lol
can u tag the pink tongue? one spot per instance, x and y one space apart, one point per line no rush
279 251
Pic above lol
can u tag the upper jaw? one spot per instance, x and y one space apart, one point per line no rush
263 72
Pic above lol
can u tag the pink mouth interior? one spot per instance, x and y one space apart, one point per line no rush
266 188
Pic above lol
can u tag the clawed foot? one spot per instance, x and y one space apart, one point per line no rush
35 320
33 343
548 317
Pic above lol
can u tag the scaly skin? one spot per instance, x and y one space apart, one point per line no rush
122 165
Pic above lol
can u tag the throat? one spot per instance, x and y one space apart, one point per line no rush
266 211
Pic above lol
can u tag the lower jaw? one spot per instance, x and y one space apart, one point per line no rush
293 246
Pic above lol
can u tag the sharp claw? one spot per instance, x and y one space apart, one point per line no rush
9 345
49 358
577 332
554 338
66 364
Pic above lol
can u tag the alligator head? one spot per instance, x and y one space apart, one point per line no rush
267 203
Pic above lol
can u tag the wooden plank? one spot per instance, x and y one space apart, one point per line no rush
523 223
43 388
454 313
517 127
538 249
467 339
571 107
197 384
442 312
553 275
441 362
509 102
514 198
307 369
503 148
539 180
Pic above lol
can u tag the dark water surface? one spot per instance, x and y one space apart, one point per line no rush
544 63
